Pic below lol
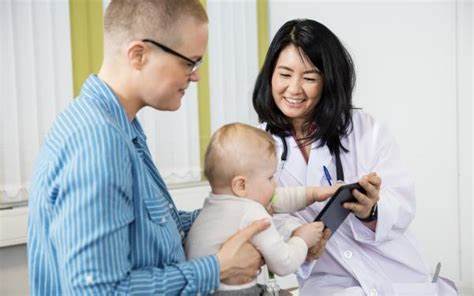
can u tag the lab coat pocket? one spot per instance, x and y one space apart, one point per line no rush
415 289
158 210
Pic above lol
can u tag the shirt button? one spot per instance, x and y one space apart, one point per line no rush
212 291
163 220
373 292
348 254
170 205
181 233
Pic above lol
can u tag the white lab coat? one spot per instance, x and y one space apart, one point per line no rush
358 261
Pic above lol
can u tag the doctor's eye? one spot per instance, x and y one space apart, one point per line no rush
316 78
285 75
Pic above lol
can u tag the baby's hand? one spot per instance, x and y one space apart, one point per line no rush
321 193
317 251
311 233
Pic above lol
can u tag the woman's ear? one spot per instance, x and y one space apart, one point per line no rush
137 54
239 186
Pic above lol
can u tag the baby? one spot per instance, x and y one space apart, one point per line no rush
240 164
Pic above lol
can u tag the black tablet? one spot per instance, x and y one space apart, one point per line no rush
333 214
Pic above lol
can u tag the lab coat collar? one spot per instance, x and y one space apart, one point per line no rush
295 164
311 173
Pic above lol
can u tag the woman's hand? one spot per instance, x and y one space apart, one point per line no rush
240 262
365 202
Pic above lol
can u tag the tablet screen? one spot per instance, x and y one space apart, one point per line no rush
333 214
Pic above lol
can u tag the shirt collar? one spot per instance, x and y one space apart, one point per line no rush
96 88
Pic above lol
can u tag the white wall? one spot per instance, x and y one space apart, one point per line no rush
408 57
13 271
465 12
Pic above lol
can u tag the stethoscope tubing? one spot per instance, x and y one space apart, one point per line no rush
284 157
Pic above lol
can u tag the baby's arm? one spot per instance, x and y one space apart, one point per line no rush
289 199
293 199
282 257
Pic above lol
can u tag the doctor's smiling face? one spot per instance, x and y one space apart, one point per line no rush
296 85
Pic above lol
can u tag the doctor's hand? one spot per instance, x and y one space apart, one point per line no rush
365 202
239 261
321 193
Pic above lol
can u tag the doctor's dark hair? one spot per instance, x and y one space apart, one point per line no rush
332 114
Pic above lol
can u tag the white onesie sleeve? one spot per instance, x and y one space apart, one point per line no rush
282 258
289 199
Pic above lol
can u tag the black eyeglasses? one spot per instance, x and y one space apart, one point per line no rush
194 65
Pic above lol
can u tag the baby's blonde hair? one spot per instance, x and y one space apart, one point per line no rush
127 20
232 151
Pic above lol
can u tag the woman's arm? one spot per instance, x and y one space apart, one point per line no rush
396 204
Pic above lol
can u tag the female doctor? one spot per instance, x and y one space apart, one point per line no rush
303 97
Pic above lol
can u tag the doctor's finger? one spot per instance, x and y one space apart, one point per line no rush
320 250
327 234
356 208
361 198
372 192
375 180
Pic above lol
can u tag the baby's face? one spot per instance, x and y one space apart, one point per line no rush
261 184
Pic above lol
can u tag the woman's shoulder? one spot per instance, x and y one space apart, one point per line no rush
364 126
366 129
263 126
360 118
364 123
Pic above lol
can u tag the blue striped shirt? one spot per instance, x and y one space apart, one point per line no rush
101 218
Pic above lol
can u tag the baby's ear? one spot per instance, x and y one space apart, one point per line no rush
239 186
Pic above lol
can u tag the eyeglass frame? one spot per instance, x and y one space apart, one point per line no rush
195 64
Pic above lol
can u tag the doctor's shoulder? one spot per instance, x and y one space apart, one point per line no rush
263 126
365 125
362 120
368 132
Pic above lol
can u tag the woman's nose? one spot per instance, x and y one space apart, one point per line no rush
294 86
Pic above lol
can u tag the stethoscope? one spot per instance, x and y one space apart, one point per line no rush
284 157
